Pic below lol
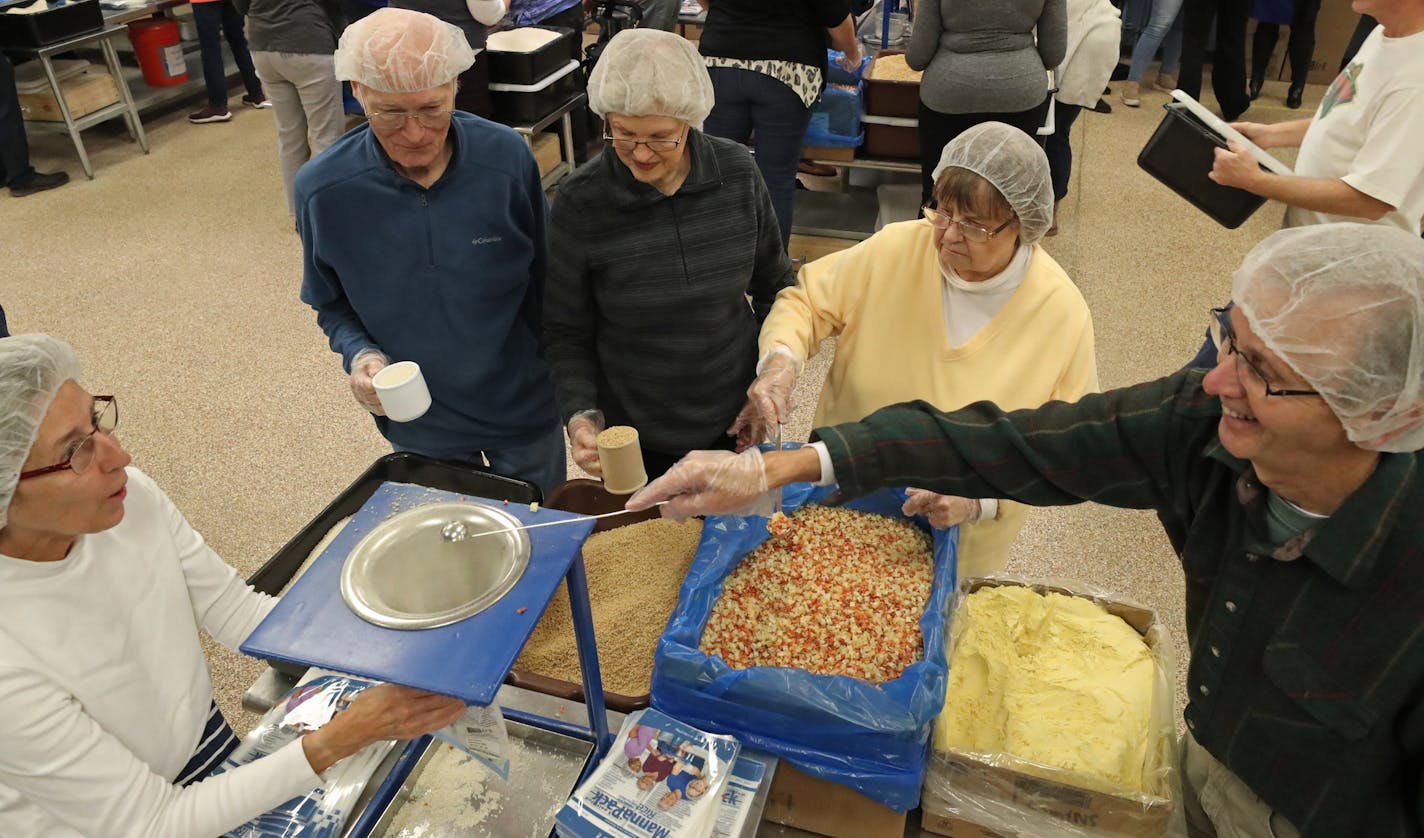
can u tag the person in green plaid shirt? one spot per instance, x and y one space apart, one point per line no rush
1288 479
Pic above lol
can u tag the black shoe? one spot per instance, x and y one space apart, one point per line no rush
1294 95
38 182
1102 107
1120 71
1255 88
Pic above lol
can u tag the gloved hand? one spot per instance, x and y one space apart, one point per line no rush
584 428
771 392
711 483
748 427
850 62
944 511
364 367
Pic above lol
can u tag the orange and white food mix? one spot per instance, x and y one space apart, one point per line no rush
834 592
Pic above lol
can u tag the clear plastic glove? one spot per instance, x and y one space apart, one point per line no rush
748 427
770 394
363 369
850 62
584 428
711 483
944 511
385 711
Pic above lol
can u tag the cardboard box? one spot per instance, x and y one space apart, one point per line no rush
971 777
799 800
84 93
827 154
548 152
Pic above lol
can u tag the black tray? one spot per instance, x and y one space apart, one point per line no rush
530 67
49 27
1181 153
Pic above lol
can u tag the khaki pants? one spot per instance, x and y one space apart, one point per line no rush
1217 802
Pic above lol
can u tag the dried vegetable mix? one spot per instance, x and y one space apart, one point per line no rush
834 592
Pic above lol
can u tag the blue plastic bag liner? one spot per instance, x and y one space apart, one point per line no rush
836 74
870 737
835 119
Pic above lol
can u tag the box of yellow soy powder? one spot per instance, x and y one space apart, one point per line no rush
1058 716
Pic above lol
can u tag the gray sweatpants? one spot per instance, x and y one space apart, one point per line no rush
306 100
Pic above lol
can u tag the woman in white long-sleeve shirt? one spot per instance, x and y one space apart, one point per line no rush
107 720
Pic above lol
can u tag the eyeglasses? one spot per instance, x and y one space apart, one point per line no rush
1222 335
395 120
628 143
972 232
105 416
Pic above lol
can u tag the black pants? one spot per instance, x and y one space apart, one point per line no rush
583 119
214 22
1060 153
14 145
1228 64
937 129
473 95
1300 49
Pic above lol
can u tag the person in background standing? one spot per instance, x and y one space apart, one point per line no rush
1360 154
1300 49
15 169
1094 33
1228 61
424 239
215 20
660 14
292 44
768 67
982 63
474 17
1163 31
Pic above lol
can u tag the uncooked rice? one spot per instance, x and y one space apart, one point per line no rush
634 573
893 68
616 436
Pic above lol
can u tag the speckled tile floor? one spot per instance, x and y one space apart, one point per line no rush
175 276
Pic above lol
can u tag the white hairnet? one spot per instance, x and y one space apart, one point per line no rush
1343 305
1014 163
649 72
32 367
402 51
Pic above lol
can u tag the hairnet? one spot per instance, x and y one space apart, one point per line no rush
1014 164
649 72
32 367
402 51
1343 305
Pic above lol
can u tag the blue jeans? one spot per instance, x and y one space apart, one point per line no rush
1164 25
748 102
215 20
540 461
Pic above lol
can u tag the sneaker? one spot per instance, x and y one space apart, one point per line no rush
1131 94
1167 82
38 182
264 102
210 114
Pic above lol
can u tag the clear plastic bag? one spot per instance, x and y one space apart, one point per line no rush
322 812
1012 796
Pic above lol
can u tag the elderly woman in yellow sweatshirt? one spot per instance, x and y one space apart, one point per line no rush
961 306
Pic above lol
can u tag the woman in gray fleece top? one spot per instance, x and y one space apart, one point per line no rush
982 64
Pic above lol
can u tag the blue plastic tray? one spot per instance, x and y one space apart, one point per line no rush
312 625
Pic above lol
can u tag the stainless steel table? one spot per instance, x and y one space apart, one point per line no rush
563 113
71 125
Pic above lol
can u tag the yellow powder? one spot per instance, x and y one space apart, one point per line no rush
616 436
1054 680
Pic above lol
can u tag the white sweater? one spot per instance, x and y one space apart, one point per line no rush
104 689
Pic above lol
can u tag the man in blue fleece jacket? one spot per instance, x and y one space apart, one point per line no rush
424 240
